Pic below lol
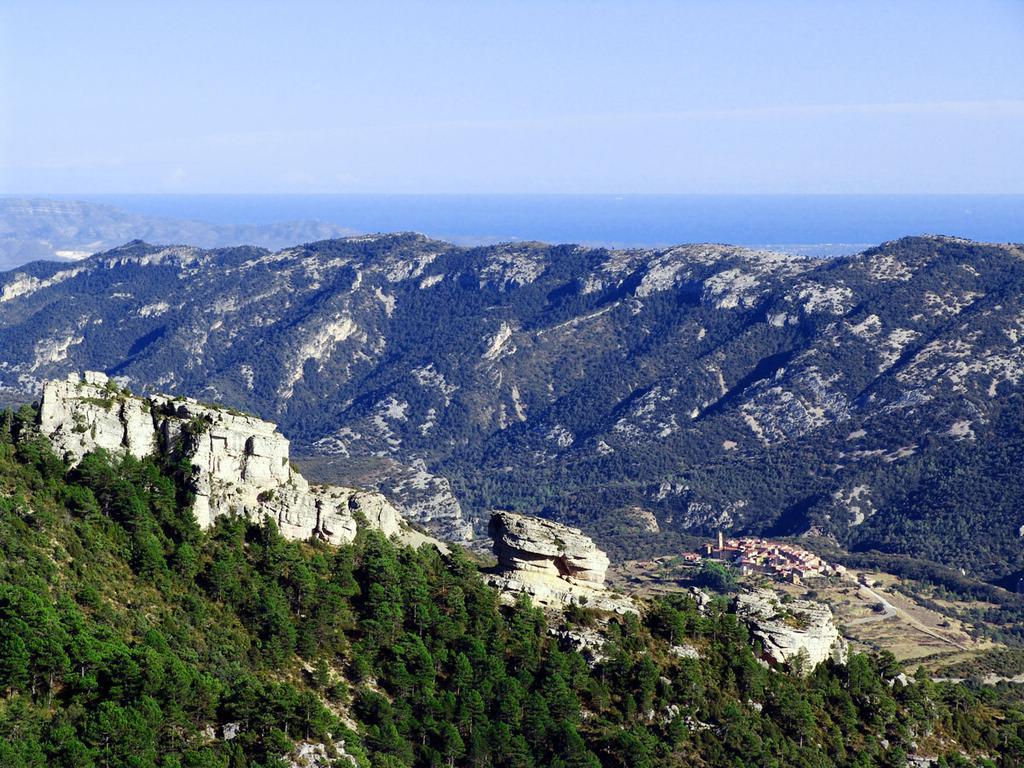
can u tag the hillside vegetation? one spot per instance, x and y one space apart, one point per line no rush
130 638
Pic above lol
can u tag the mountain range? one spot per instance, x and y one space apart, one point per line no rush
873 400
68 230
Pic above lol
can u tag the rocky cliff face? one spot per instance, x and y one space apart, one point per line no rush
790 630
553 563
240 463
82 415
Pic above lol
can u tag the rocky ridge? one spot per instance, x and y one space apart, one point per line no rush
555 564
795 632
704 387
240 463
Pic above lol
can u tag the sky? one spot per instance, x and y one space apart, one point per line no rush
723 96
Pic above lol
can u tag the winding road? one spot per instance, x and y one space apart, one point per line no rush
891 611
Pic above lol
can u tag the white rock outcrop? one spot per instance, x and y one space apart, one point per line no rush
102 417
589 643
788 631
555 564
311 754
240 463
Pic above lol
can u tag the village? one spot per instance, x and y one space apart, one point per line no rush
751 555
781 561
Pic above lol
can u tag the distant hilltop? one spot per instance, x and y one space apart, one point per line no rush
67 230
809 225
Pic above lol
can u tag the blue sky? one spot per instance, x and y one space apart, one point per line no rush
718 97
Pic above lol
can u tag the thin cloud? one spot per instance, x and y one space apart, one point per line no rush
998 107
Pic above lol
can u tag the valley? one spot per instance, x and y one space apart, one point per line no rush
871 400
875 612
166 567
511 384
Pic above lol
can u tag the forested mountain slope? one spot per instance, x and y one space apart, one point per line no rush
875 399
131 639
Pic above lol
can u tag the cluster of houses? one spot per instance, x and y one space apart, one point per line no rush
781 561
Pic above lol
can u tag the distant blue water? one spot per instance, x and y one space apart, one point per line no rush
628 220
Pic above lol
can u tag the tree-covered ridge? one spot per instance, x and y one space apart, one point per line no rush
875 399
130 638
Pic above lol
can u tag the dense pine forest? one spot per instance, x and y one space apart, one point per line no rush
130 638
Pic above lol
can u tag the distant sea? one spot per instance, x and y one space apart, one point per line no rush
813 224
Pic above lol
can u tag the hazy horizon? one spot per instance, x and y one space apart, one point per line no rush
814 224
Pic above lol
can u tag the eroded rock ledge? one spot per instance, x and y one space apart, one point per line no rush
240 463
797 633
555 564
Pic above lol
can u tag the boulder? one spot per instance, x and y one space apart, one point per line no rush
589 643
533 545
792 630
684 651
554 564
312 754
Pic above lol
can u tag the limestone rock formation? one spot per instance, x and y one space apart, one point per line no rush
684 651
240 463
555 564
587 642
788 630
524 543
312 754
102 417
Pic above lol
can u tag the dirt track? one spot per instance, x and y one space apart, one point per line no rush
891 611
